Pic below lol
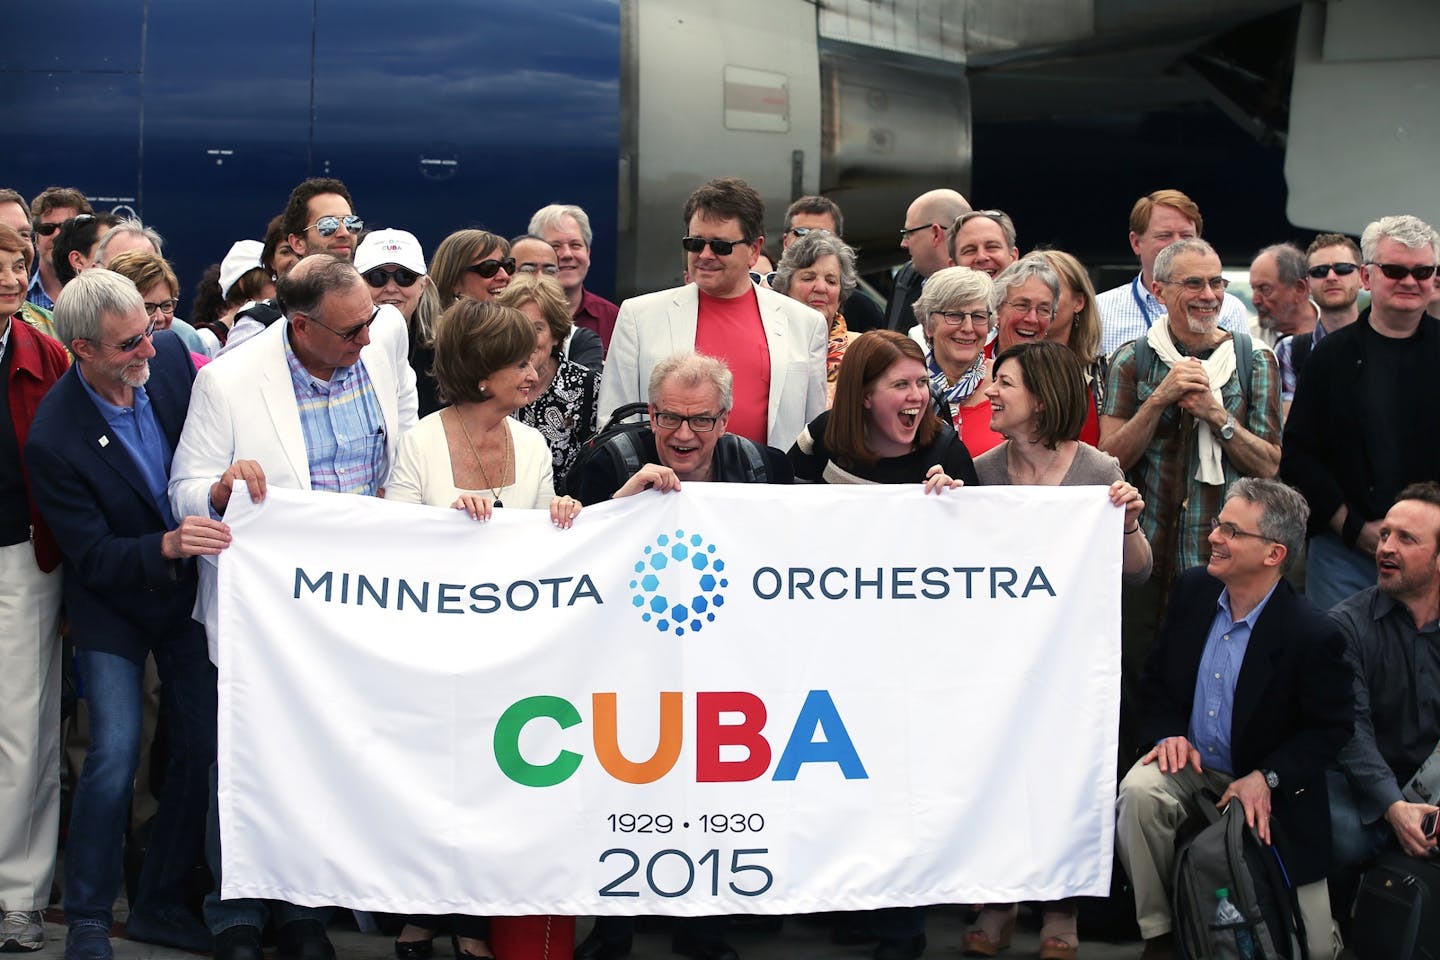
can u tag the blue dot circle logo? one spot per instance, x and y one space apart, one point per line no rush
679 583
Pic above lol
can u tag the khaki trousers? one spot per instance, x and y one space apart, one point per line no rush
29 728
1151 808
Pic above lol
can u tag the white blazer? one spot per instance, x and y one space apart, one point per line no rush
243 407
658 325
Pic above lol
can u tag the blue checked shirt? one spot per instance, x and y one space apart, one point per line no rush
37 295
343 427
1213 712
1127 312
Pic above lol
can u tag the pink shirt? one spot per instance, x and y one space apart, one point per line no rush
730 329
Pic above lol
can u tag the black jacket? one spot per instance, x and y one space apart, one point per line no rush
1293 710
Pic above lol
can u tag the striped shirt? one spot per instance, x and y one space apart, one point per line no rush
343 427
1127 312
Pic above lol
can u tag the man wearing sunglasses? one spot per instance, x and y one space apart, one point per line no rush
774 346
1366 414
923 237
821 213
99 457
320 218
1332 274
50 208
316 401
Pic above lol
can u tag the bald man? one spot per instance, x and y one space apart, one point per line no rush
923 237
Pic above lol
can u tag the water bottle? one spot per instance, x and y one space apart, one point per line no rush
1228 917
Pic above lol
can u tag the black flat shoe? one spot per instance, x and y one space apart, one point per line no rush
596 947
414 949
902 948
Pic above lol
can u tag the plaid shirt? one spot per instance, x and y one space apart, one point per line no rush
1178 507
343 427
1126 312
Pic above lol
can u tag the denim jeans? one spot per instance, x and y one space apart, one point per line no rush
100 812
1334 571
221 915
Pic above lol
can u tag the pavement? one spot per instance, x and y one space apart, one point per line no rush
800 938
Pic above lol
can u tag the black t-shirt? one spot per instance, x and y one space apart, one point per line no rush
1392 369
946 450
597 475
14 503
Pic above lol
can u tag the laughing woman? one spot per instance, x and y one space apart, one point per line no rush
881 428
1038 403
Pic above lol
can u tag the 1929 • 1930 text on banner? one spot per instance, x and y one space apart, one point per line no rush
728 699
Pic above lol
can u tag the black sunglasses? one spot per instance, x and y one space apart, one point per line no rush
379 276
329 226
1396 271
1321 270
488 268
347 336
722 248
125 346
45 229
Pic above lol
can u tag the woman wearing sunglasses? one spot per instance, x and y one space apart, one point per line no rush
393 266
471 263
1038 403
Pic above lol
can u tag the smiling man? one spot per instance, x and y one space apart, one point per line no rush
1366 415
1248 688
566 228
774 346
318 401
320 217
1188 410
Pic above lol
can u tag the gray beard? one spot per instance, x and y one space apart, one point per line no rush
133 380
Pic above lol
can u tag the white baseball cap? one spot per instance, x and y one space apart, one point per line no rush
243 257
390 246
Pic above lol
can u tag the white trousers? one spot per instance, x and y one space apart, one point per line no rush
29 728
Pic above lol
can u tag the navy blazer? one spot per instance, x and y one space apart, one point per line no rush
1294 704
121 595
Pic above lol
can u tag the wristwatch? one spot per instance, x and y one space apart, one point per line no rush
1227 432
1272 779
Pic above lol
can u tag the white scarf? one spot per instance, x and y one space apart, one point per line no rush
1219 368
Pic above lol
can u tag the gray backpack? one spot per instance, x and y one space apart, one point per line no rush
1215 850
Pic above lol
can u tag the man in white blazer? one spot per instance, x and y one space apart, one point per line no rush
774 346
318 401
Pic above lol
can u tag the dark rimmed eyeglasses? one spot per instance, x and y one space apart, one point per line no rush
488 268
700 423
166 307
1322 270
329 226
125 346
348 336
1398 271
906 231
379 276
958 318
721 248
1229 531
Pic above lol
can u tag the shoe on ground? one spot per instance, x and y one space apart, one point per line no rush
88 942
594 947
178 929
239 943
703 949
305 940
900 948
21 931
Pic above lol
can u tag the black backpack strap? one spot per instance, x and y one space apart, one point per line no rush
737 456
624 454
1244 363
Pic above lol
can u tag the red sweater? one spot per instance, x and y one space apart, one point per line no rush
37 362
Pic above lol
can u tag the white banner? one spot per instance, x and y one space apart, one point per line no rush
734 699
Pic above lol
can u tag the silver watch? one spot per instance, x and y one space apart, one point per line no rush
1227 432
1272 779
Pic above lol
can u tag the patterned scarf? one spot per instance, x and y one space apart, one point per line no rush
836 351
963 387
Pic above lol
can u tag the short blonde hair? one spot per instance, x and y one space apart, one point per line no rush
547 294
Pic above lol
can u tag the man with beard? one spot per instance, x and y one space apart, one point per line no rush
99 459
1280 294
1189 409
1391 631
1333 273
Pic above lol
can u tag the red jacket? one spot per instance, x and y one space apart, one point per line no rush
37 362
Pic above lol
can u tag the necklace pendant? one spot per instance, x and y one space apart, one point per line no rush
499 503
